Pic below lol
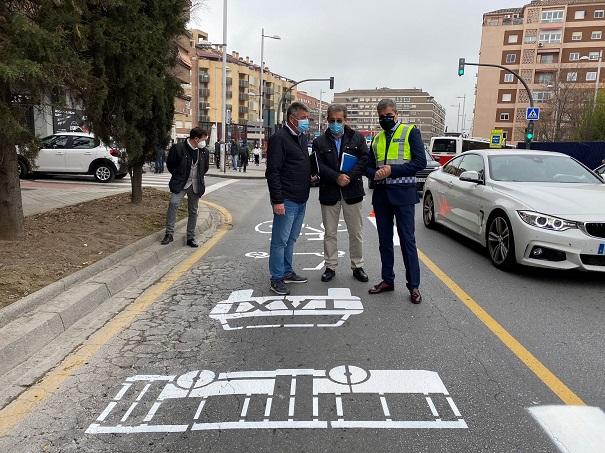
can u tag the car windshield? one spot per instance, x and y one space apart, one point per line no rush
444 145
539 168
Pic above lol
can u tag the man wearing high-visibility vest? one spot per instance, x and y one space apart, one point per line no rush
397 154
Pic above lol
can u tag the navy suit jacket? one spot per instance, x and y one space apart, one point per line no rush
400 194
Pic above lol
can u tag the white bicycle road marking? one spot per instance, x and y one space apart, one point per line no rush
310 232
263 255
278 311
258 390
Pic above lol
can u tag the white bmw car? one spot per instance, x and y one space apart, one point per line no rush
535 208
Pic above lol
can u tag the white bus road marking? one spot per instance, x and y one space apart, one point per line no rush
243 311
340 380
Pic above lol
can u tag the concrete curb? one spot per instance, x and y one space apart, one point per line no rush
238 175
34 321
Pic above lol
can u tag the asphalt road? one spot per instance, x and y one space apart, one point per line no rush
330 368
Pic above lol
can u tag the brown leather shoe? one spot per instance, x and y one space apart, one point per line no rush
381 288
415 296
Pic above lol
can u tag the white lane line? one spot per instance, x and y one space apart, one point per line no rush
106 412
128 412
219 185
152 411
199 409
245 408
385 406
453 406
573 429
268 408
122 391
315 406
339 406
143 392
429 401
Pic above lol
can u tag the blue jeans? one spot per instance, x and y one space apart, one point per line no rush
286 229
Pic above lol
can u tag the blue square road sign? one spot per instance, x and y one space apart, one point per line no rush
532 113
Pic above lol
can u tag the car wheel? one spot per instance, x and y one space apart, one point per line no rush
104 173
121 176
501 242
428 211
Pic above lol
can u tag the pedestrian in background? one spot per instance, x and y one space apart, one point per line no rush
257 154
160 157
188 163
289 179
243 158
234 154
342 154
217 154
397 155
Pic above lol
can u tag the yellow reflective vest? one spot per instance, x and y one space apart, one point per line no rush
399 151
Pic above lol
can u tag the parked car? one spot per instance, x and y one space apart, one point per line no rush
600 170
534 208
76 153
431 166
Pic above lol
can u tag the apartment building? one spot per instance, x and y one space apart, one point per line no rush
414 106
551 44
242 93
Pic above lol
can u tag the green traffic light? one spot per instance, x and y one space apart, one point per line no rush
460 72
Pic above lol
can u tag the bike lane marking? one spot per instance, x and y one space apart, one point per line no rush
25 403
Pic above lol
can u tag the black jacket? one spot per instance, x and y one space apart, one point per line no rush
179 165
329 166
288 167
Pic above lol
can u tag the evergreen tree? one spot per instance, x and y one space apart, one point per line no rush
131 45
38 43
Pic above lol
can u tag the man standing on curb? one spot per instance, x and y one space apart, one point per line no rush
397 155
188 163
289 179
342 154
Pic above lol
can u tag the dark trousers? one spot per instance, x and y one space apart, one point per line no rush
404 216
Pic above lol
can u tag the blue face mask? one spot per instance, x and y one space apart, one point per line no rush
303 126
336 128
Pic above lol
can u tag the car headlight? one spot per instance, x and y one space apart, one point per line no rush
545 221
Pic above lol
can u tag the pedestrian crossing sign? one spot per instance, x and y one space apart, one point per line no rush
496 139
532 113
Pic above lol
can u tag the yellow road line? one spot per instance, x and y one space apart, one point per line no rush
17 410
544 374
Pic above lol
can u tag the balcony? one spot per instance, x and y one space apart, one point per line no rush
204 92
244 96
204 78
269 91
243 83
204 105
229 107
229 94
204 119
243 110
229 81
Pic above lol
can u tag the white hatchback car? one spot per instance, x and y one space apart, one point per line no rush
536 208
76 153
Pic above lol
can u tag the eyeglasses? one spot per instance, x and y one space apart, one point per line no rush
339 120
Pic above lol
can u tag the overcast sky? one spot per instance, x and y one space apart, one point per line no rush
363 44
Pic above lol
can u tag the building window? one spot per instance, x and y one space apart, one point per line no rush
542 96
550 37
572 76
596 35
594 56
504 117
511 58
552 16
574 56
513 39
576 36
509 78
506 97
547 58
591 76
580 14
530 39
544 78
599 14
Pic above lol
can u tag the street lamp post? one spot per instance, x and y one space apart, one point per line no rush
262 88
321 92
596 85
223 123
463 111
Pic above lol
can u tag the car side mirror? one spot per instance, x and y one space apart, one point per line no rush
471 176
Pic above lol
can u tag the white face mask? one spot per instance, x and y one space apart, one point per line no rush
201 144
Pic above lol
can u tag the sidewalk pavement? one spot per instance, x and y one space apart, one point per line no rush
252 172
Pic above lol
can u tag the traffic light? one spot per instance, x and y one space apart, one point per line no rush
529 132
461 66
331 83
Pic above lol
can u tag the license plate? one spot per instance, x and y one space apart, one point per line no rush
420 179
601 249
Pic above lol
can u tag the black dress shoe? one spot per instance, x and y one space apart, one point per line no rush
167 239
327 275
381 288
415 296
360 274
192 243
